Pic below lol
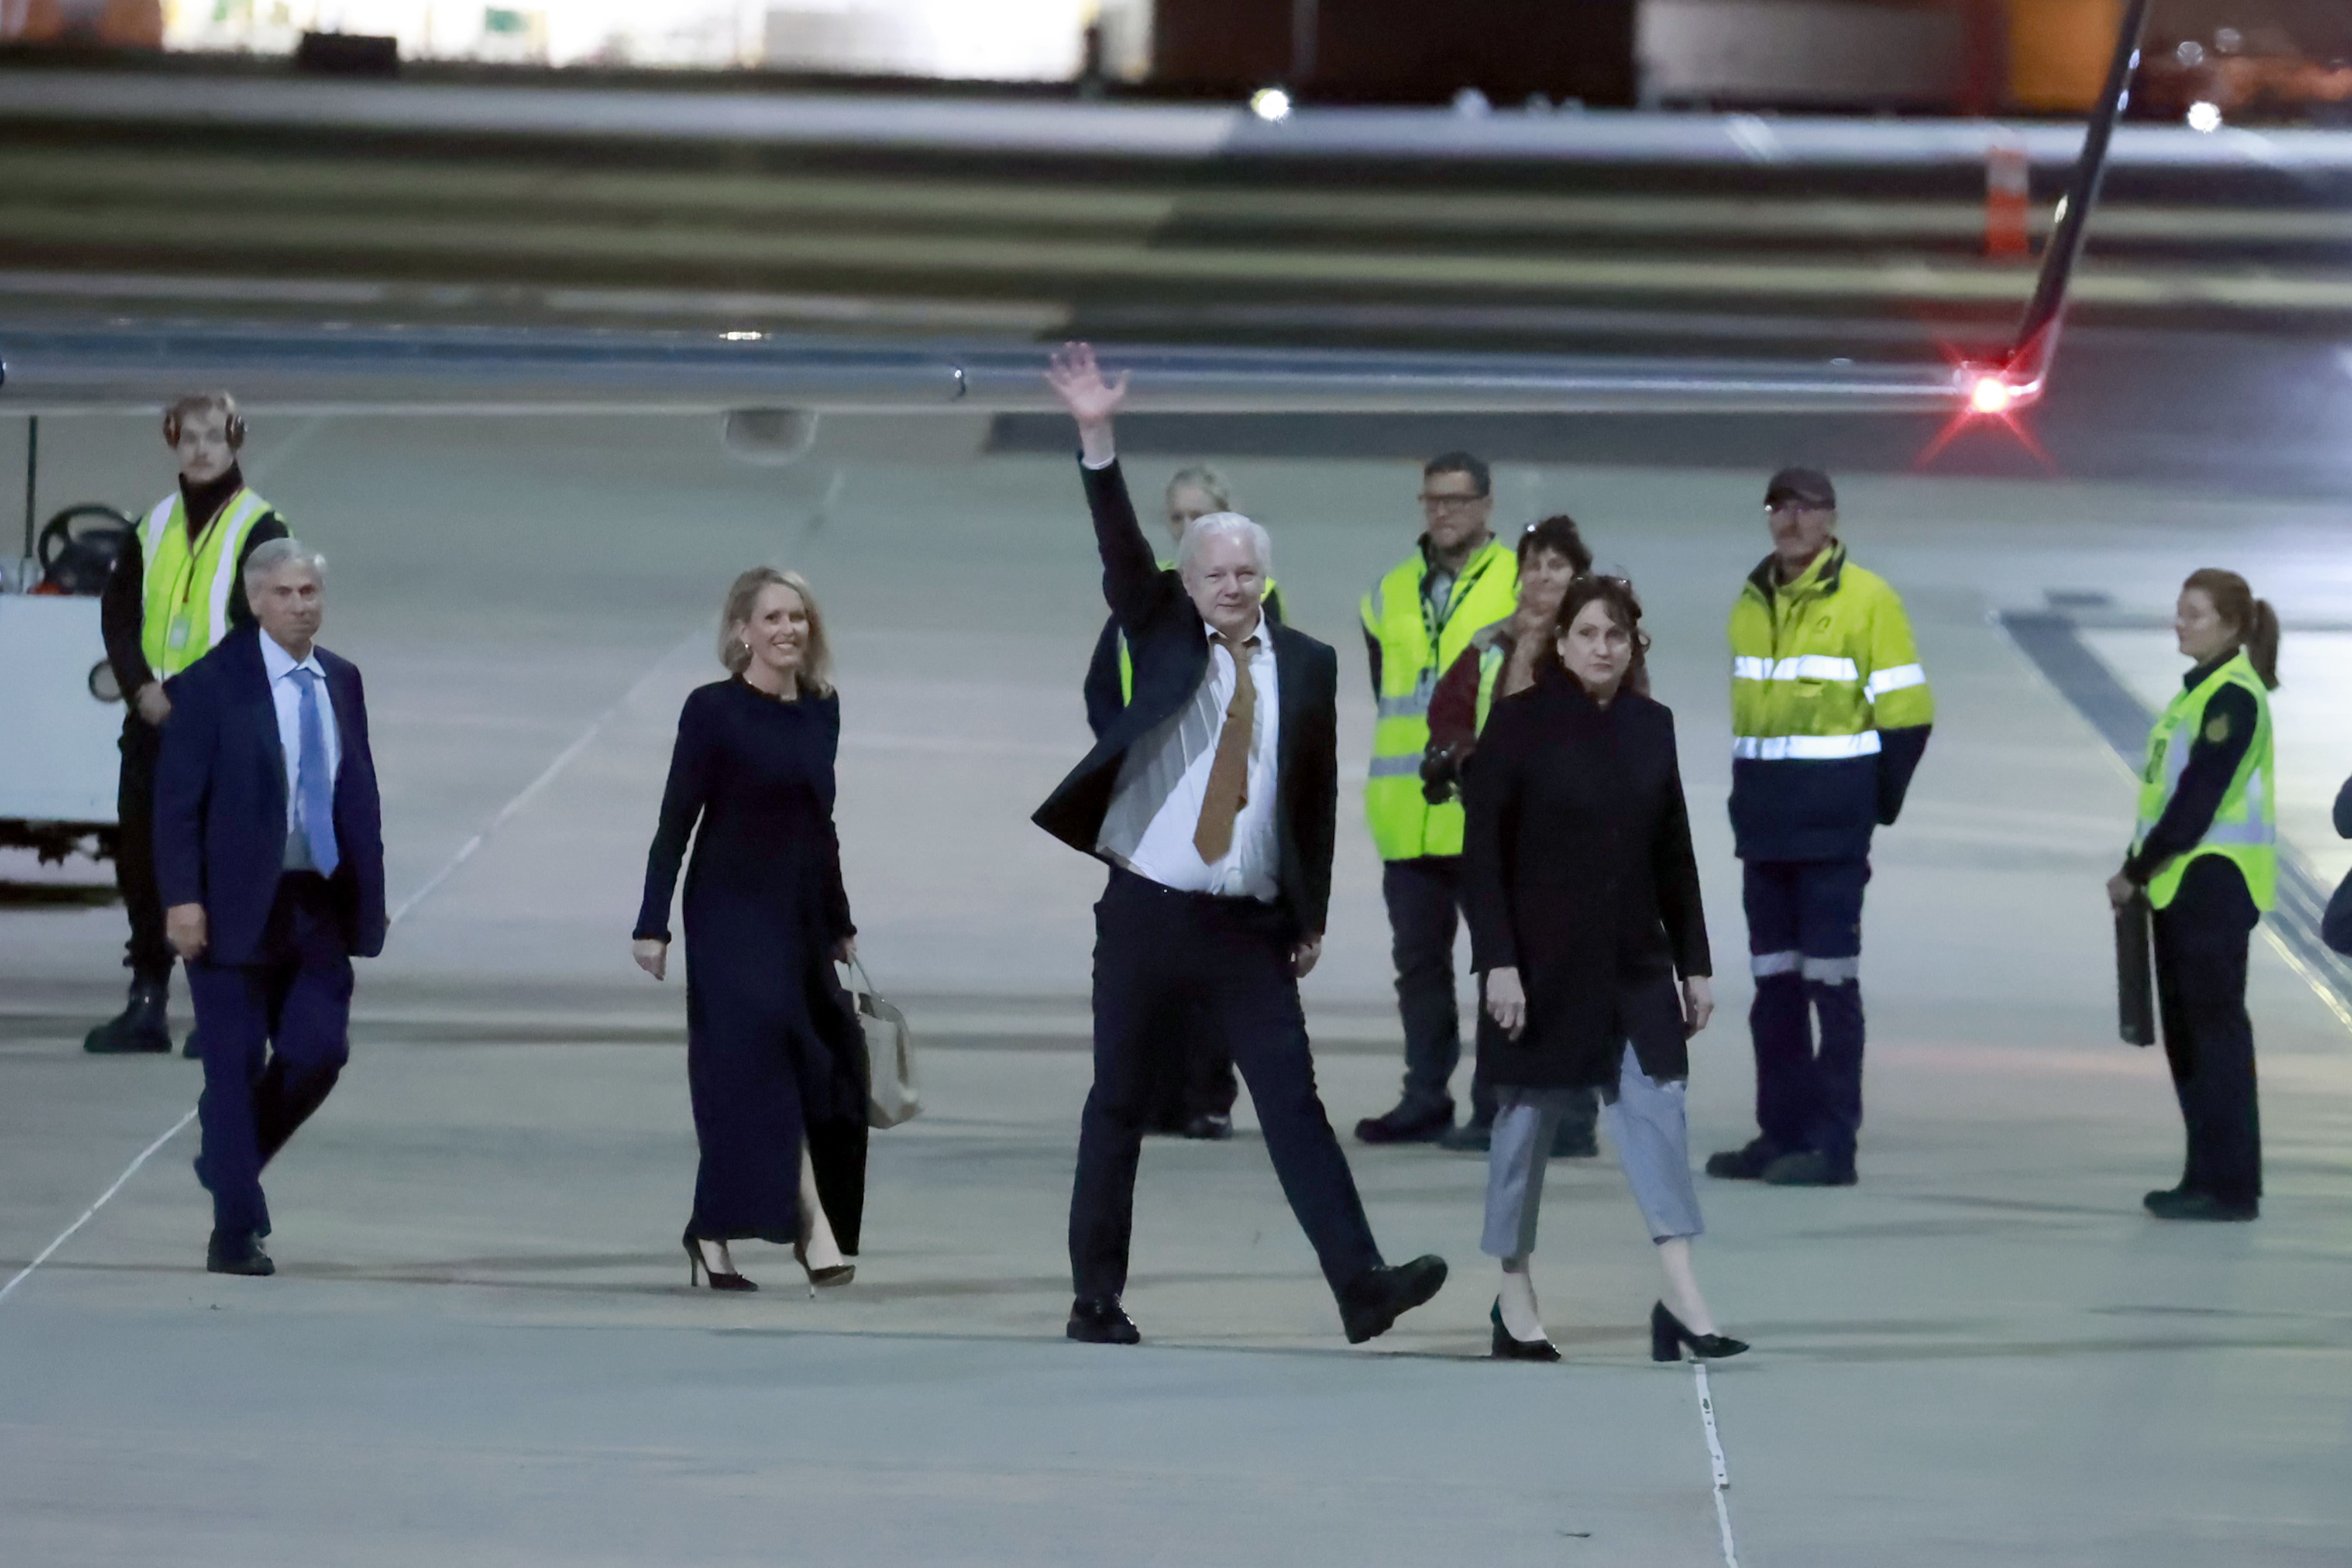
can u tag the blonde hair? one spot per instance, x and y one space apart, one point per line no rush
742 595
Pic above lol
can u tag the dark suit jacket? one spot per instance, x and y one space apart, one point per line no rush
1578 871
220 802
1169 644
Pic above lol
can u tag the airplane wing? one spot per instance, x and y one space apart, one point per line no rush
121 365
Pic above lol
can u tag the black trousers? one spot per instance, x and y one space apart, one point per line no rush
1424 903
2200 998
149 955
1195 1073
1226 962
276 1035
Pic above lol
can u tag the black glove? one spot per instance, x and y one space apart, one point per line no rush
1441 774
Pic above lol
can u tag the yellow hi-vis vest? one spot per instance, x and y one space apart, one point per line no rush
2245 826
185 594
1415 649
1820 665
1270 596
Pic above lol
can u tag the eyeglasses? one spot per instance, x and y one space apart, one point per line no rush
1447 502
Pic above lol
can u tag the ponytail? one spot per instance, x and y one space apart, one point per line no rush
2257 623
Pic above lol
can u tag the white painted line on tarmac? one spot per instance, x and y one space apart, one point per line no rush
1715 1455
91 1212
532 790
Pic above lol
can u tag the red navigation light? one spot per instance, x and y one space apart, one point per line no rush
1991 396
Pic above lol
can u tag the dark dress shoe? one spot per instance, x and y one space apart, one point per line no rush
1668 1336
237 1252
1372 1302
1470 1138
1101 1321
1807 1168
1209 1127
1408 1123
139 1027
1509 1349
1745 1165
2178 1203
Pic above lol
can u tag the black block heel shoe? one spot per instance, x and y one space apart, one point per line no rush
1668 1336
1506 1348
695 1265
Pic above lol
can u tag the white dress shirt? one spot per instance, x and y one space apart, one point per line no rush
1155 806
286 694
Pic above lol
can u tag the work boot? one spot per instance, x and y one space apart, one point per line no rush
238 1252
1806 1168
139 1027
1745 1164
1408 1123
1470 1138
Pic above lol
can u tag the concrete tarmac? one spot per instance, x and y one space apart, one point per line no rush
478 1349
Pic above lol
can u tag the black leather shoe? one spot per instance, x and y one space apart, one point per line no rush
1807 1168
1372 1302
1470 1138
1408 1123
2180 1204
1101 1321
1509 1349
139 1027
237 1252
1209 1127
1668 1335
1743 1165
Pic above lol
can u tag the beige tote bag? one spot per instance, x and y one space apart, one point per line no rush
891 1094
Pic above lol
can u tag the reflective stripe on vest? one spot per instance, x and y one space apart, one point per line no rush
2245 825
1804 748
184 596
1490 672
1415 651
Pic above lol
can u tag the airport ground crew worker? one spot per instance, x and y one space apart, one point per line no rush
1501 662
1195 1093
1830 712
176 590
1458 581
2205 856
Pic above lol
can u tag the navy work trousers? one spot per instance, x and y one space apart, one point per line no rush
148 956
1424 900
2209 1041
275 1036
1804 944
1227 962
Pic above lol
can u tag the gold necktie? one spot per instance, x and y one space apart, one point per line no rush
1228 789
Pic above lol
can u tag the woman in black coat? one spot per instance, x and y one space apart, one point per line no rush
1584 909
774 1060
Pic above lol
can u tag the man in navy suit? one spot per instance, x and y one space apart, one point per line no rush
1213 796
269 857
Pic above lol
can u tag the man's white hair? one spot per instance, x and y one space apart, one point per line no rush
1218 525
273 553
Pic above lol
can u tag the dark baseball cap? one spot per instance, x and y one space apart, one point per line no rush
1809 486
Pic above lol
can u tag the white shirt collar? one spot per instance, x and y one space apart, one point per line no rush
1256 633
279 664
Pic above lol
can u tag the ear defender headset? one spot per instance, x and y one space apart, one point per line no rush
182 406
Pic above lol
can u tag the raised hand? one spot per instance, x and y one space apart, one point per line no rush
1080 383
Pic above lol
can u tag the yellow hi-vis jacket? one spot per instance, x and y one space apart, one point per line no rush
1830 710
185 593
1411 648
2245 825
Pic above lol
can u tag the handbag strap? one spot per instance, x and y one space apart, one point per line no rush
865 980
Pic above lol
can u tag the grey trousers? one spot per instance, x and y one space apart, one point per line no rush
1645 1122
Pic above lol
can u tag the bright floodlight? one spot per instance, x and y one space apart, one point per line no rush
1990 394
1270 104
2205 117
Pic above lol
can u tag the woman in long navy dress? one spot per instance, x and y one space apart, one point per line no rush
774 1061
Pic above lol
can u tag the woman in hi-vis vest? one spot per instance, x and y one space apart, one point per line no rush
2205 856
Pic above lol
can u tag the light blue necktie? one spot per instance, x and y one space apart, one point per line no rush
314 793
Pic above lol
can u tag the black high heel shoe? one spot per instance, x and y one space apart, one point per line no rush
1668 1335
839 1274
696 1265
1507 1348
